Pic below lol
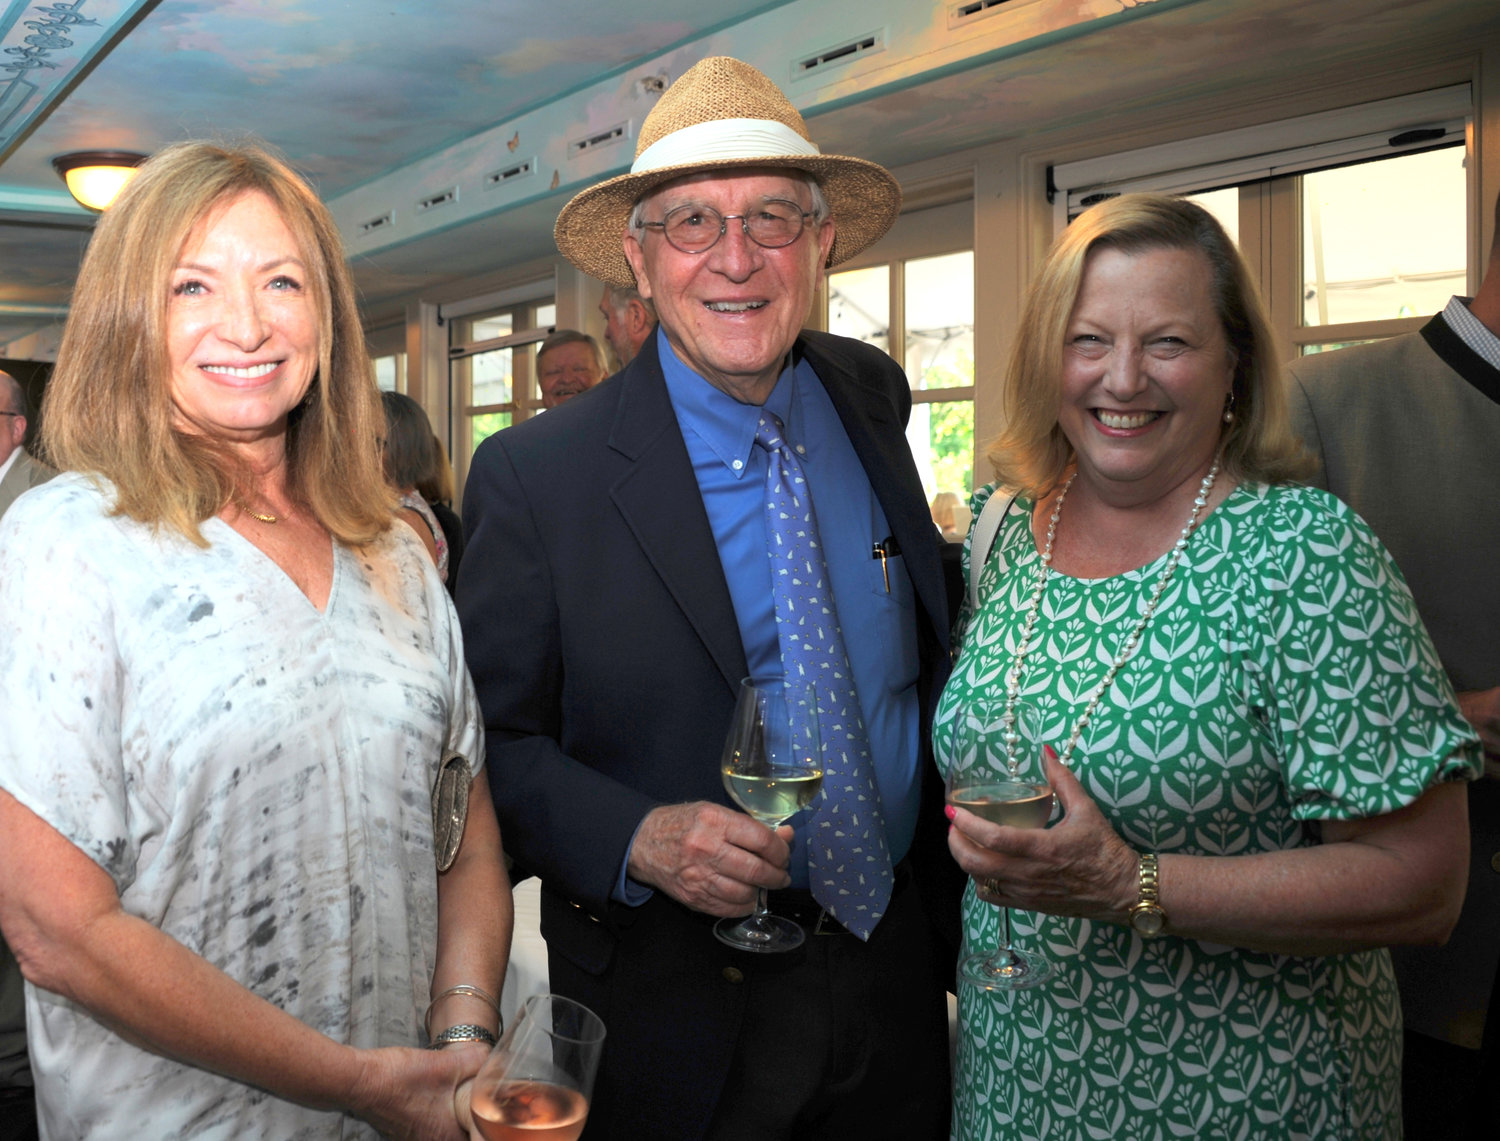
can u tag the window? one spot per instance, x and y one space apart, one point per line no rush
1355 221
390 372
920 297
1383 240
491 368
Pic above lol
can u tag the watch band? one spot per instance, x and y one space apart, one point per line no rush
1147 916
463 1032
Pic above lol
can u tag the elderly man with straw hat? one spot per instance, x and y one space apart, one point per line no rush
638 552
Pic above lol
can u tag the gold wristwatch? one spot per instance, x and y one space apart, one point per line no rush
1147 916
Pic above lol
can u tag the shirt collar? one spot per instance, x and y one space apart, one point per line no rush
718 419
1472 331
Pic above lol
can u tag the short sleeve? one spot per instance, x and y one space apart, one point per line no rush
60 677
465 725
1364 717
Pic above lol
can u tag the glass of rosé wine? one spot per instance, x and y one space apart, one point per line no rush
538 1079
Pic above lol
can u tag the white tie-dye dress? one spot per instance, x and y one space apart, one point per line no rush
253 774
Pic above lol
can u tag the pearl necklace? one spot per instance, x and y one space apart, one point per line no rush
1013 676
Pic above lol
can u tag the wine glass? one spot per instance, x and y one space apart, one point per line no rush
773 769
995 771
538 1079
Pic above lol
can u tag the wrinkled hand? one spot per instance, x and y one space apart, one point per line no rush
1482 709
1080 866
708 857
410 1095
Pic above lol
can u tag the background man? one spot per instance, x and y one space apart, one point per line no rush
619 585
629 319
1408 430
18 471
567 363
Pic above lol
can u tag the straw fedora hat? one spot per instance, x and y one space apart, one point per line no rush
719 115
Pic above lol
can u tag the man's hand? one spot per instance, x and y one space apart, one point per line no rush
708 857
1482 708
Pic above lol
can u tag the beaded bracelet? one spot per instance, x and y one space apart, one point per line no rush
464 1032
463 988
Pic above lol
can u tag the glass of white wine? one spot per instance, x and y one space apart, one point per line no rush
538 1079
995 771
773 769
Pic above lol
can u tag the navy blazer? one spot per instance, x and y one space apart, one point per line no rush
603 643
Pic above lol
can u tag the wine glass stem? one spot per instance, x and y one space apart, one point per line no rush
762 903
1005 930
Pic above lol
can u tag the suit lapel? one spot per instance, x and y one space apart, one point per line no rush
659 500
879 439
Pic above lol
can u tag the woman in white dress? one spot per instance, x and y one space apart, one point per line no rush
230 683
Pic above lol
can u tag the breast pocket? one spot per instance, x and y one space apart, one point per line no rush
896 618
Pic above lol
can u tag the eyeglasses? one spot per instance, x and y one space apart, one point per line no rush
17 414
697 229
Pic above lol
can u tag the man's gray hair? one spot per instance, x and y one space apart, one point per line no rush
819 208
619 297
17 397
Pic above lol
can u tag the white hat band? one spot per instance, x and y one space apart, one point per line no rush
722 140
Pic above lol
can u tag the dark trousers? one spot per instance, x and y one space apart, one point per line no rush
850 1042
1445 1094
17 1114
837 1039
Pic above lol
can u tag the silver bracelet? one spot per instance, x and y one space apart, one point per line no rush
462 988
464 1032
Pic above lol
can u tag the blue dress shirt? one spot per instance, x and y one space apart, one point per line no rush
879 624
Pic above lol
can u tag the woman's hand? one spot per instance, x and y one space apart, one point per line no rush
1080 866
413 1095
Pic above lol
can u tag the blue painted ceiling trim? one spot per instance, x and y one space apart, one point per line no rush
26 199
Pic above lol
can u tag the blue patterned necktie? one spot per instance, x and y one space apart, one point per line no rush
848 864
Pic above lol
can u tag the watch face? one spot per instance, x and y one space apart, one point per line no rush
1149 921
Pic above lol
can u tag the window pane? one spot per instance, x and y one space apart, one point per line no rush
387 373
1223 205
939 300
491 374
488 328
941 436
1334 346
859 305
546 316
1383 239
482 427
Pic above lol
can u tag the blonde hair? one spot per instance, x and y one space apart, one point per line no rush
109 407
1031 453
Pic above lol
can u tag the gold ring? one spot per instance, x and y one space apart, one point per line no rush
993 886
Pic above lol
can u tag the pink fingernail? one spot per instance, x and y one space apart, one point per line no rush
950 812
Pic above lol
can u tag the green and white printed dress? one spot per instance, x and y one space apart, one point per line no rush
1285 679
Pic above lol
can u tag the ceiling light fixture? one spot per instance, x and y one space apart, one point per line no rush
94 178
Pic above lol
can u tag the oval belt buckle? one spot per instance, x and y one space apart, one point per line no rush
450 808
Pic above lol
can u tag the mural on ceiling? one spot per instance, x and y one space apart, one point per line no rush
43 46
348 88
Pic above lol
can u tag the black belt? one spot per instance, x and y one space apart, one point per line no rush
813 917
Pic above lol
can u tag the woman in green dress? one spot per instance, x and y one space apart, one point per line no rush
1244 707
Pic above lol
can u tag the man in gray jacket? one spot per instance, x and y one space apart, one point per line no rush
1408 432
18 471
